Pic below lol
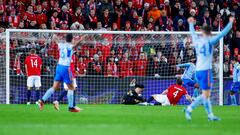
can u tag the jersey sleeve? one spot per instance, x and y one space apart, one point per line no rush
192 32
215 39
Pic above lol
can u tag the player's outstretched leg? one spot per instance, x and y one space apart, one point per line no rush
198 101
49 92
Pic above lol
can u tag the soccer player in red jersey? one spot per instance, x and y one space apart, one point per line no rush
171 95
33 67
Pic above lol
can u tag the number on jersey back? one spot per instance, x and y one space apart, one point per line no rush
175 93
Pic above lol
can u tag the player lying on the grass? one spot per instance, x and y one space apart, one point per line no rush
236 81
204 46
133 97
63 72
170 96
33 67
64 93
188 77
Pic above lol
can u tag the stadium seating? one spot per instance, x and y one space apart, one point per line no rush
127 15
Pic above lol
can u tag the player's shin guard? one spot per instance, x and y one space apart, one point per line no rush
70 98
28 95
49 92
195 103
63 94
233 100
208 106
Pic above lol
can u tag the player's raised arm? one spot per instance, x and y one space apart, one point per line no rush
79 41
191 22
215 39
184 65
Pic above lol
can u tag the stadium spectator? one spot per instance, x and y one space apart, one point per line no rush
78 16
106 19
154 13
111 68
125 67
81 69
41 17
95 67
180 17
235 42
141 65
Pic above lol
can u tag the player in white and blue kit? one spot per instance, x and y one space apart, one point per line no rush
204 49
236 81
63 73
188 77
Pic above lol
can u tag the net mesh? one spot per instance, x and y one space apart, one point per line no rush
105 64
2 68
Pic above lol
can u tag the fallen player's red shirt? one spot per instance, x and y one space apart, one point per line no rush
175 92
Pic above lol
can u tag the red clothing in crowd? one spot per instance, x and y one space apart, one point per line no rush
30 16
126 68
111 69
53 50
41 18
81 68
140 67
15 20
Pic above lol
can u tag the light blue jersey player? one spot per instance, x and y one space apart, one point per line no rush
188 77
204 46
63 73
236 81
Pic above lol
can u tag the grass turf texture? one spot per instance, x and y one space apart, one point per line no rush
115 120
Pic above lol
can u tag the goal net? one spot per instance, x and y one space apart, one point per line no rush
106 64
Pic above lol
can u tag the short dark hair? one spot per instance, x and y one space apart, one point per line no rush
179 81
69 37
33 51
139 86
235 59
207 29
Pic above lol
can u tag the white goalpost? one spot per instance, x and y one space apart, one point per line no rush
123 56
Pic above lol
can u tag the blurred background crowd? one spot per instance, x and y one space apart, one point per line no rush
119 55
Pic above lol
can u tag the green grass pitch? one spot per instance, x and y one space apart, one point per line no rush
116 120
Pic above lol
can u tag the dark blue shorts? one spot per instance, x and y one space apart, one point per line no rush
235 87
63 74
205 79
188 82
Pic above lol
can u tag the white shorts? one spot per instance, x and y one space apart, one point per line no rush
74 84
163 99
34 81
